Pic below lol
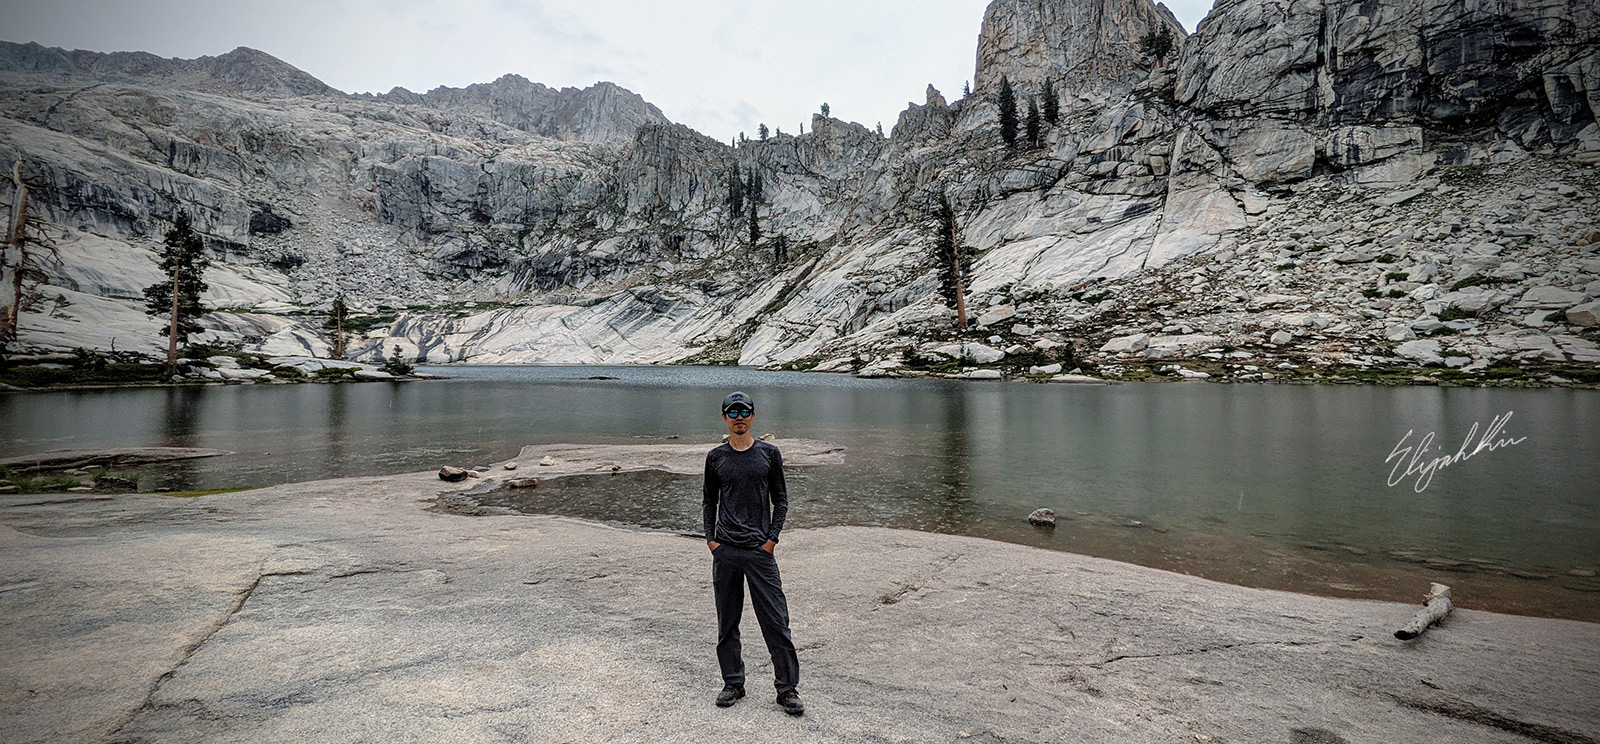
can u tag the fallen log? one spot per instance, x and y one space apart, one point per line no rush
1435 606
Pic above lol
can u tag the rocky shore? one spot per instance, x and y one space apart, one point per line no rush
88 370
350 609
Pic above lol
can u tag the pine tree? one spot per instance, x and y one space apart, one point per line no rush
954 259
1008 114
396 364
755 227
1033 123
1157 44
1052 104
735 193
762 132
338 316
966 89
756 193
757 188
824 110
183 259
880 129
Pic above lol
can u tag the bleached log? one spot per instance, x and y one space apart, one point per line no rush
1436 606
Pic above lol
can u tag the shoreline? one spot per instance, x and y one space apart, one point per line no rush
301 610
1404 377
1330 375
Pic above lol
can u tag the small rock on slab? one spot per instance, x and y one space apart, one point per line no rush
1042 517
523 483
1126 344
451 474
1586 315
1398 197
997 314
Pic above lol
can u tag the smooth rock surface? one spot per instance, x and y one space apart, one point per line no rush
348 610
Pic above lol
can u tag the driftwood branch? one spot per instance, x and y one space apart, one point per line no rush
1436 606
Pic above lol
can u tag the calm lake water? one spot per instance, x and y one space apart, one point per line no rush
1282 486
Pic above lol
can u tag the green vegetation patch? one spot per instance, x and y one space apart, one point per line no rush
39 483
113 372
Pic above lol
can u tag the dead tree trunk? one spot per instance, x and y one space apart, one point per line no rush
172 327
1436 606
11 260
961 279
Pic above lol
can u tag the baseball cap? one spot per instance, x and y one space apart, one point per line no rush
737 400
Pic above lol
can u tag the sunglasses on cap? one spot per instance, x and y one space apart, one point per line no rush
737 413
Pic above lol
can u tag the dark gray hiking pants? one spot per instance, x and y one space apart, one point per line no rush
731 568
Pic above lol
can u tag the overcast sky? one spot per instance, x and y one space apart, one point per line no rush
717 65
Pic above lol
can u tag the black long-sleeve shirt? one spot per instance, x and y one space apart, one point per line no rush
743 483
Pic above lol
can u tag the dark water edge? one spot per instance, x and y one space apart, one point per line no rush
1281 486
660 500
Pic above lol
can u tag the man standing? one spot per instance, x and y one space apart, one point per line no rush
742 477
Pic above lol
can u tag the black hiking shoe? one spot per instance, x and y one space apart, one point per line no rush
790 700
729 695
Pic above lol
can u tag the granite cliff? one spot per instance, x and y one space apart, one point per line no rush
1298 184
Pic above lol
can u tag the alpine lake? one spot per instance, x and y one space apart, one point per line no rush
1322 489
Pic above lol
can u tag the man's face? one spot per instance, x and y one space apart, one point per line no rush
738 421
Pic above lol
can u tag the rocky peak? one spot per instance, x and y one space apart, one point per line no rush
926 123
603 112
1082 46
243 71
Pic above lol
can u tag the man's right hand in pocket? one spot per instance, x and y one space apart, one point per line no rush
713 544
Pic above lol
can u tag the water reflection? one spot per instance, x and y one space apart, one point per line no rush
181 428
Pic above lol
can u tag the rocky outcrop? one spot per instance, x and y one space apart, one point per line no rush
1083 48
1284 86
